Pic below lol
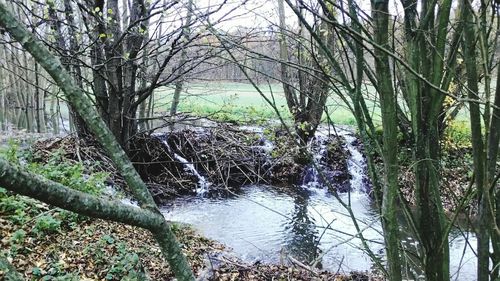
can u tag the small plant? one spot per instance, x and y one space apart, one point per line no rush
457 135
108 239
11 153
10 204
127 265
16 241
18 237
46 224
37 272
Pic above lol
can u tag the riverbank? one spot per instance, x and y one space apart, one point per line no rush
210 162
45 243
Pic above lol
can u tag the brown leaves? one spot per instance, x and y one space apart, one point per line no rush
95 250
231 270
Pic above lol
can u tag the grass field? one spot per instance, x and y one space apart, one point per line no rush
231 101
239 101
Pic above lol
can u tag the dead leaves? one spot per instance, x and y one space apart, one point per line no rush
95 250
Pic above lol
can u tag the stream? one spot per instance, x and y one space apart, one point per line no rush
262 224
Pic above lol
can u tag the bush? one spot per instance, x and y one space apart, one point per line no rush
46 224
457 135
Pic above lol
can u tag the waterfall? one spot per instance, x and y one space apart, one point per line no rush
312 178
203 184
356 163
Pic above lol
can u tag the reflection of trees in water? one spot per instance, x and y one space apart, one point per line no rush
303 237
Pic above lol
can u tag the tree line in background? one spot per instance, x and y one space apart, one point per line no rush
424 63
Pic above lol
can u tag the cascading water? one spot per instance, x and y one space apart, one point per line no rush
263 224
312 177
356 163
203 184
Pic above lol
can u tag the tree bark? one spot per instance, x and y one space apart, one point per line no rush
484 224
388 106
179 84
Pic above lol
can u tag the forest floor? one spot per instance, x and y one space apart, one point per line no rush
44 243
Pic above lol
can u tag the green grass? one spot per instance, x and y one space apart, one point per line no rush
232 101
239 101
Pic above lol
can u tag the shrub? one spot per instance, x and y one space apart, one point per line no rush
46 224
457 135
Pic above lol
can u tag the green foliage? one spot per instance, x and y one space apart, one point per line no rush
57 168
18 236
55 273
11 154
20 209
70 218
457 135
126 265
69 174
16 241
46 224
9 205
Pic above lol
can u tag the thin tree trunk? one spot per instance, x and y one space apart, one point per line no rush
492 157
380 14
37 101
483 237
179 84
80 127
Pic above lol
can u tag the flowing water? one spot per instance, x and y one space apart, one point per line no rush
309 224
203 184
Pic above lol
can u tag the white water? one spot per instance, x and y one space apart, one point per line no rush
203 184
314 180
262 224
356 163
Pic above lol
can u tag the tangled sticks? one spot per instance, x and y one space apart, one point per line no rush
223 158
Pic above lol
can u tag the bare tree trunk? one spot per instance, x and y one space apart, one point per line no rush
143 107
81 129
97 59
483 237
180 70
388 106
38 116
494 188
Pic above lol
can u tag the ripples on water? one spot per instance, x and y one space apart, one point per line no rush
263 224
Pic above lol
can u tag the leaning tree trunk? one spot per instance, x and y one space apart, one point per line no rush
162 231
